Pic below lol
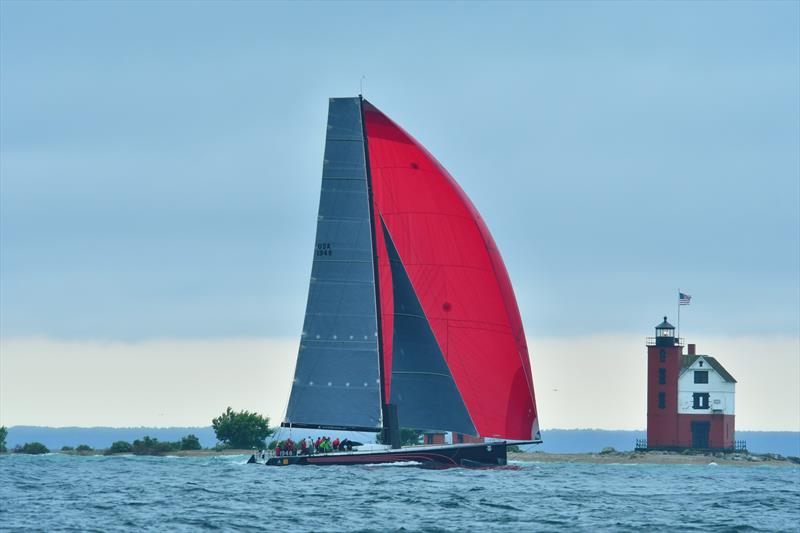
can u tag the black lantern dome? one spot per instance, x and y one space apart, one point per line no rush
665 334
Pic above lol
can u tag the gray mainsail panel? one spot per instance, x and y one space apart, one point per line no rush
422 386
337 381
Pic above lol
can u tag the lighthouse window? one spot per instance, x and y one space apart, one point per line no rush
662 400
700 400
701 376
662 376
662 355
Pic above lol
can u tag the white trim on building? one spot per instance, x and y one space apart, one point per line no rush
717 396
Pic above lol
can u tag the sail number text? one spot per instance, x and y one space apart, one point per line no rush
323 248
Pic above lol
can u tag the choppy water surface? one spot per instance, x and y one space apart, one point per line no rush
57 492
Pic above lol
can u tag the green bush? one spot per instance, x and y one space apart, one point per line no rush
3 435
150 446
242 430
83 449
67 448
120 446
190 442
32 448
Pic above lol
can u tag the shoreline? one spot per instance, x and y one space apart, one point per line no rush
657 458
600 458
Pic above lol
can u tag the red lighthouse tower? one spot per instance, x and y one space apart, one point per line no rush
664 358
690 397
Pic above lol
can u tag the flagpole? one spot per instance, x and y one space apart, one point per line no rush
679 314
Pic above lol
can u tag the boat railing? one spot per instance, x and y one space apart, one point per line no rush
272 453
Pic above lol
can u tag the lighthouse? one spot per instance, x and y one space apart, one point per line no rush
690 397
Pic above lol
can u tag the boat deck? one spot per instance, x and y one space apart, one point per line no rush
449 455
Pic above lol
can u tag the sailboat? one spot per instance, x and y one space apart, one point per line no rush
411 320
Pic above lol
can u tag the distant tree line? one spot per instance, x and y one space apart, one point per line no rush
145 446
233 429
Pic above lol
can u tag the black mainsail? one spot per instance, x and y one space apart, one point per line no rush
337 377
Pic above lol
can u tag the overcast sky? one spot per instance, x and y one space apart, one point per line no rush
160 169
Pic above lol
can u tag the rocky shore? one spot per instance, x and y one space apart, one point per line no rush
612 456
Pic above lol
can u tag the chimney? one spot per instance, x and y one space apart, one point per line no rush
691 349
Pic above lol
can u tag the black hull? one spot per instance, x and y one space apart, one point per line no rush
459 455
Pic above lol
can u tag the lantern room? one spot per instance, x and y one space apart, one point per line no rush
665 334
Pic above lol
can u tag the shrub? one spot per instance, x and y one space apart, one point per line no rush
150 446
83 449
67 448
120 446
3 435
32 448
190 442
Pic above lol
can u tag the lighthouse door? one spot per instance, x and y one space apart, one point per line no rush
700 434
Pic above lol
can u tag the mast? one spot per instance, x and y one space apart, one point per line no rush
391 430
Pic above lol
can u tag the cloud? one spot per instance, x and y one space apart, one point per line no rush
581 382
162 382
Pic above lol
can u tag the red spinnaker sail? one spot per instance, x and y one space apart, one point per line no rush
459 277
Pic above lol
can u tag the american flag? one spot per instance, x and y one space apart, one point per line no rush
684 299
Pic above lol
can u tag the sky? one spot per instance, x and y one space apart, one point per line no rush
160 167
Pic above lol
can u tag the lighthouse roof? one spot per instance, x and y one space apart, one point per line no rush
665 325
689 360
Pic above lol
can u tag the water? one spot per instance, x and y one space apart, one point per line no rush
56 492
